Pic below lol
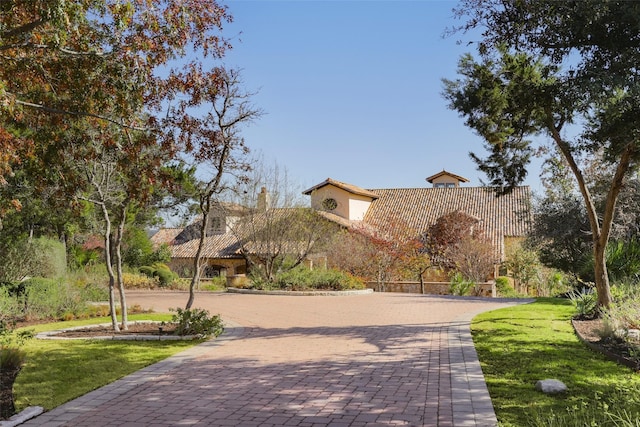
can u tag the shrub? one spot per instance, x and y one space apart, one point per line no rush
302 278
139 281
49 258
585 302
504 289
164 274
80 257
10 306
197 322
623 314
459 286
217 283
161 271
93 292
49 298
12 359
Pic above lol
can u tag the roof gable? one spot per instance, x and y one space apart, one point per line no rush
346 187
444 173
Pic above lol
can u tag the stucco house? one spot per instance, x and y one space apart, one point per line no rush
504 219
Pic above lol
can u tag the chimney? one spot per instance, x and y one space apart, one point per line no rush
264 200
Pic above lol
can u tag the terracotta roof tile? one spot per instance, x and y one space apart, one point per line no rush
165 235
217 246
354 189
419 208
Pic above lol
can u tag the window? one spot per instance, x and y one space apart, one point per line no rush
444 185
329 204
216 225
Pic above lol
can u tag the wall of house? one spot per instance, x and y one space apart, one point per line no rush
350 206
445 180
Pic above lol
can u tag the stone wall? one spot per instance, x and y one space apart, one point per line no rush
432 288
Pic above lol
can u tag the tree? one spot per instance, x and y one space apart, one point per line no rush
474 257
381 251
106 60
567 70
524 267
279 231
446 233
215 143
116 172
560 229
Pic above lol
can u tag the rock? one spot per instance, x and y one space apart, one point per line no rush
551 386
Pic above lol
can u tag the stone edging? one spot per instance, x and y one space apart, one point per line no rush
51 335
610 355
300 293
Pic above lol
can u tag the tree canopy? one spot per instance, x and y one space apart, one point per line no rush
111 61
560 71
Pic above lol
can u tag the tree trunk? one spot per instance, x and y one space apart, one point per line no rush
108 262
197 262
601 274
118 256
600 230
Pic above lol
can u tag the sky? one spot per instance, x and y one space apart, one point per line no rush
351 90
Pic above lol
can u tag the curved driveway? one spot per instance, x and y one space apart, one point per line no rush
356 360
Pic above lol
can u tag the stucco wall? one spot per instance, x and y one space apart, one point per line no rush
350 206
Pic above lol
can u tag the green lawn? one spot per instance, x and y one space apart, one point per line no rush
520 345
58 371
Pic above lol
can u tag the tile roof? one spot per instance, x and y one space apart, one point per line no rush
354 189
419 208
216 246
165 235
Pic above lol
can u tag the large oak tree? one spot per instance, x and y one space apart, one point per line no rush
567 71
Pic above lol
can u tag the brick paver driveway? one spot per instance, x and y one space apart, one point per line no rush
358 360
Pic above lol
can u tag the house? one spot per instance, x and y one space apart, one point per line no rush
504 220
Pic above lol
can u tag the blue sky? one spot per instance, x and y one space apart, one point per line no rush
352 90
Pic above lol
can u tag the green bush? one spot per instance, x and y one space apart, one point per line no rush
164 274
138 249
504 289
49 258
139 281
459 286
10 306
302 278
49 298
585 302
80 257
197 322
161 271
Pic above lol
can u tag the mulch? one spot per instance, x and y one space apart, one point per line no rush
133 329
617 350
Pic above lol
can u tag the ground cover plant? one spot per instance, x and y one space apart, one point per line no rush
520 345
58 371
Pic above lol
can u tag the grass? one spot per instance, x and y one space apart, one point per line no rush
520 345
57 371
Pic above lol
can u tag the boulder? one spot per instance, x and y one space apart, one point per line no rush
551 386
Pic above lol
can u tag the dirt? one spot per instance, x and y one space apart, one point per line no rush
133 329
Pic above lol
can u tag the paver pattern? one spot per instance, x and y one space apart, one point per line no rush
358 360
